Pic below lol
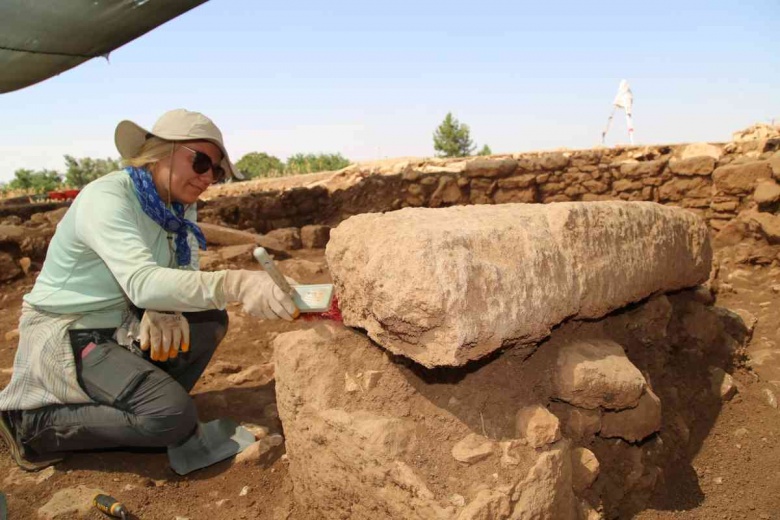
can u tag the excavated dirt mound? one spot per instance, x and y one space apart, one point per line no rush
729 468
715 456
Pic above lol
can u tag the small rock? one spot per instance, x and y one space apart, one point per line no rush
25 264
749 319
722 384
634 424
507 450
472 448
72 502
350 384
537 425
244 491
458 500
592 373
726 288
578 423
271 411
45 474
718 480
370 379
220 503
290 238
262 451
769 397
776 288
258 431
223 367
766 192
487 504
159 482
12 336
261 374
585 469
740 432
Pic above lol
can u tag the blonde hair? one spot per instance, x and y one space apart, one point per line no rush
154 149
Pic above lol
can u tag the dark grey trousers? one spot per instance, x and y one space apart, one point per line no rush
138 402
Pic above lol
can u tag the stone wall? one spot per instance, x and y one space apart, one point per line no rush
715 181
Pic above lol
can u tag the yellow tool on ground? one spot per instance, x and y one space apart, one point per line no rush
110 506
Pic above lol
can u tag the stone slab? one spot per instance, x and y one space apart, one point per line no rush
447 286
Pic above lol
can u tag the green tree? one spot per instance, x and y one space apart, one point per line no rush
260 164
310 163
452 139
485 151
81 172
36 181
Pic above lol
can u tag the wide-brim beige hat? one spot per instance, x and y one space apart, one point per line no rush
176 125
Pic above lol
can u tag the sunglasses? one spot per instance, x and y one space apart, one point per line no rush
201 163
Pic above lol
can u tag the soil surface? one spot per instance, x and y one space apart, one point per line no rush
734 471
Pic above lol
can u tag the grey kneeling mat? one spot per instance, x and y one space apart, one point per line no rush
211 443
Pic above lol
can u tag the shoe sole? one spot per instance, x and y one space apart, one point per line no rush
16 454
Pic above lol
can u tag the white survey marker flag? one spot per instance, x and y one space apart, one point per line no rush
624 98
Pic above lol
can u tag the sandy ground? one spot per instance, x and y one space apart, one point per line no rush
736 470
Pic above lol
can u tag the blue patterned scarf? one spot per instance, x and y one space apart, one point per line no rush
170 221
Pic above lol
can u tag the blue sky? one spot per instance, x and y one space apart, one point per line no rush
373 79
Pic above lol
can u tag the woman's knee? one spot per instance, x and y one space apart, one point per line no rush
173 424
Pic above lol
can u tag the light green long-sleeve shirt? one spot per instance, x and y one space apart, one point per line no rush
107 251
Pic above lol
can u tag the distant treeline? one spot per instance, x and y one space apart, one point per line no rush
82 171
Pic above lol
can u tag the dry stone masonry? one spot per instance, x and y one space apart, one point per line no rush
715 181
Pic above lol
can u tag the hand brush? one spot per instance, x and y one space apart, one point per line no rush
315 301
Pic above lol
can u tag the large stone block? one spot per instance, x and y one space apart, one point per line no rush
446 286
405 448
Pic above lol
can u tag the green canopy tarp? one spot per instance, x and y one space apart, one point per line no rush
42 38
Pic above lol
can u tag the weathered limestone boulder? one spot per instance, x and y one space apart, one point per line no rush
538 426
405 448
701 150
472 449
634 424
451 285
769 223
736 179
71 502
13 234
767 192
585 468
577 423
594 373
702 165
289 237
224 236
546 491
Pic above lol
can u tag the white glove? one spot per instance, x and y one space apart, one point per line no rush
259 295
165 333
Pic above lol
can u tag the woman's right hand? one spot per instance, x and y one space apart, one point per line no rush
259 295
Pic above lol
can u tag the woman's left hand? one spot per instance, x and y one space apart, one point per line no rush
165 333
